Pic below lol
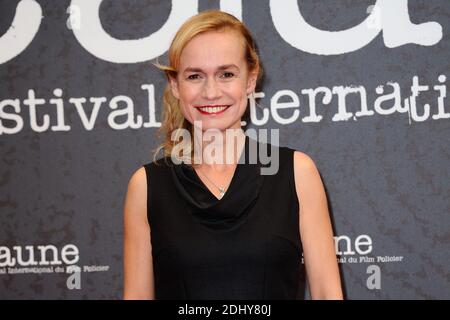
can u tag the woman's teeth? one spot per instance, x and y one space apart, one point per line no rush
214 109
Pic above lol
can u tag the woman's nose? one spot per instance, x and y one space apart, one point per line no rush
211 89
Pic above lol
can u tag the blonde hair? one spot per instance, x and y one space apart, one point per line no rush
211 20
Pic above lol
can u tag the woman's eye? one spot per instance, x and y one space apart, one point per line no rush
193 77
228 75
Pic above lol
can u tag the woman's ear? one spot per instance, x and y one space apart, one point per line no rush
174 87
251 82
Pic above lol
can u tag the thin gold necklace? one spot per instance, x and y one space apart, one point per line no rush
221 189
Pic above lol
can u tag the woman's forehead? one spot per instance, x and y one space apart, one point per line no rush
215 48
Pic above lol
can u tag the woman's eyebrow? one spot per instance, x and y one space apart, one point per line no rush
228 66
222 67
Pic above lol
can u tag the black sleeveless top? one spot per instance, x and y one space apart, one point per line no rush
244 246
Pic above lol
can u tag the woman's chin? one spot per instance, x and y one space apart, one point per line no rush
214 125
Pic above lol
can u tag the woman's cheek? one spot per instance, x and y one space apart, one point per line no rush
185 110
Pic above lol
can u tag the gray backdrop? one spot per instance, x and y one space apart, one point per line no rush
386 173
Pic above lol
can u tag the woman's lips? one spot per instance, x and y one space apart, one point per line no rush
212 109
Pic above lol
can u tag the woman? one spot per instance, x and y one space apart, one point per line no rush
205 229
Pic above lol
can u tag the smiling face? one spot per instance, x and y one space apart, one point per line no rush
213 80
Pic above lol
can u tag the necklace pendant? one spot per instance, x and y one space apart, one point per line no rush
222 192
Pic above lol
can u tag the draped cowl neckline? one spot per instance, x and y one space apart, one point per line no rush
232 209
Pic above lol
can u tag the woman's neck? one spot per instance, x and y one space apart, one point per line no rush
217 149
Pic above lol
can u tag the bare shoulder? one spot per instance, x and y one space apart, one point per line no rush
303 163
316 230
138 178
308 183
137 248
136 198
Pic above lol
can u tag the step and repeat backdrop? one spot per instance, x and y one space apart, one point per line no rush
360 86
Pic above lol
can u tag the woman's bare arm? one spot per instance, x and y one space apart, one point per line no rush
316 231
137 248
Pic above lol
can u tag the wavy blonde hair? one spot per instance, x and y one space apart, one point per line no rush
211 20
